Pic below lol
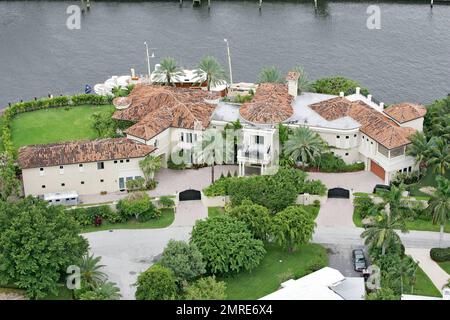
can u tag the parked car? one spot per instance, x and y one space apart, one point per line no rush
359 260
381 187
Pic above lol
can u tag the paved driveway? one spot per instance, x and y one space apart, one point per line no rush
126 253
340 258
336 213
361 181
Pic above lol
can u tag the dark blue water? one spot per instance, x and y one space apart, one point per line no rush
408 59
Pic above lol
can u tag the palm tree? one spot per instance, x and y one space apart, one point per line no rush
109 291
205 149
149 165
381 233
419 148
395 202
215 75
304 85
167 71
90 270
439 156
407 268
304 145
235 128
439 204
270 75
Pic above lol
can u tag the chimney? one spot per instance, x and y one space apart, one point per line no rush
292 82
358 90
341 94
369 97
381 106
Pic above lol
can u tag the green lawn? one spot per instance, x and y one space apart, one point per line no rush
418 224
166 219
277 266
55 125
423 286
445 265
429 179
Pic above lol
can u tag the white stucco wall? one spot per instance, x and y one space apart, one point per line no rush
72 176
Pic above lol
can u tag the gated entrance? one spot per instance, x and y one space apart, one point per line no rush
190 194
338 193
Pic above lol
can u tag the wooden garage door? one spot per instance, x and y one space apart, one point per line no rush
375 168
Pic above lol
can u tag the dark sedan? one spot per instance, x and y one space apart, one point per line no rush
359 260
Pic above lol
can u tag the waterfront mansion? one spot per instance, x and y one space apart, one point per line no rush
162 118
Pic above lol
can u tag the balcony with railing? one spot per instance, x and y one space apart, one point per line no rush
256 153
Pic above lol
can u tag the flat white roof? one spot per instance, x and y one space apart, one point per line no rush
304 115
226 112
314 286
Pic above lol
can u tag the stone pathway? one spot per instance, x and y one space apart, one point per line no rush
437 275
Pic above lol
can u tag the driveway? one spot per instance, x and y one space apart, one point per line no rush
361 181
340 258
126 253
336 213
170 182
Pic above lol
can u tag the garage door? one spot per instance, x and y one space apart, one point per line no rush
190 194
375 168
338 193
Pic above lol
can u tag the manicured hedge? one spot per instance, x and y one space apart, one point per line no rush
44 103
440 254
274 192
332 163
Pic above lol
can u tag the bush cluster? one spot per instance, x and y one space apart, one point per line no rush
332 163
440 254
89 216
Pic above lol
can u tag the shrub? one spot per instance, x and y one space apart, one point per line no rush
218 188
440 254
151 184
329 162
81 216
185 260
166 202
407 178
137 204
362 205
136 184
335 85
156 283
293 226
255 216
173 166
207 288
315 187
227 246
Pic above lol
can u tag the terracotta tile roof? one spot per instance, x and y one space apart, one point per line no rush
404 112
271 104
373 123
293 75
156 108
81 152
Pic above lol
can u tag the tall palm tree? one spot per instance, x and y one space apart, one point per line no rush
381 233
208 149
439 204
90 270
304 85
270 75
235 128
419 148
439 156
168 71
215 75
149 165
304 145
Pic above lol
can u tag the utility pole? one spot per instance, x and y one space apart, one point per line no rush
148 62
229 62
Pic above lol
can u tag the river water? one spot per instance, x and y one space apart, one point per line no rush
408 59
